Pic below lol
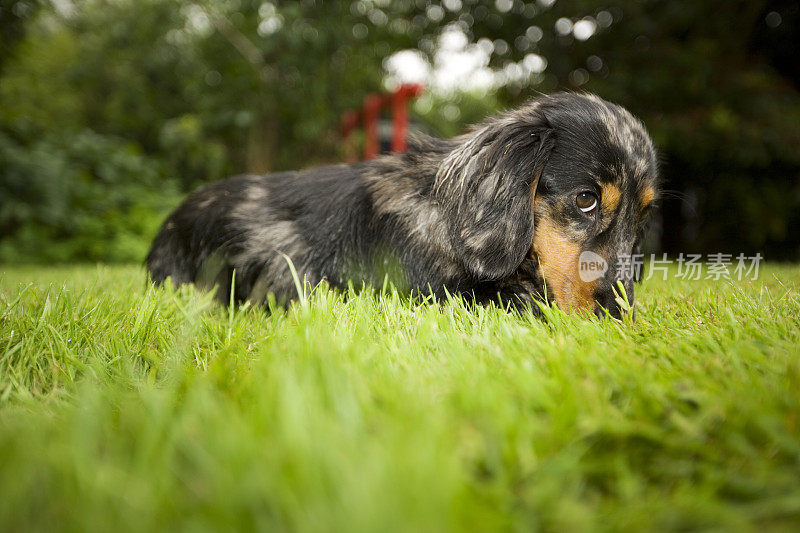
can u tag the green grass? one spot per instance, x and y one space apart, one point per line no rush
123 407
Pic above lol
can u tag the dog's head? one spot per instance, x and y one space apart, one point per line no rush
567 180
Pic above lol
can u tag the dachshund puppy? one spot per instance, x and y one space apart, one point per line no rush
505 213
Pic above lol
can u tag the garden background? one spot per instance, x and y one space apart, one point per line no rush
111 110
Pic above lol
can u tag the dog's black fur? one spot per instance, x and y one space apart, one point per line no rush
449 215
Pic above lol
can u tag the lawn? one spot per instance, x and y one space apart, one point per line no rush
124 407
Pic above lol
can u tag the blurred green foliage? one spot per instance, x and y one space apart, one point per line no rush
163 95
89 196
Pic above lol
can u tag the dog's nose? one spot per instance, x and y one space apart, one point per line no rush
607 304
606 300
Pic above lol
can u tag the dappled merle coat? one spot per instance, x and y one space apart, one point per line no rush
449 215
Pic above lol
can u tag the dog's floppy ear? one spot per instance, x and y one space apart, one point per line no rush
486 187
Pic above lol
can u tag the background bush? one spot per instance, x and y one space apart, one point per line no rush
89 197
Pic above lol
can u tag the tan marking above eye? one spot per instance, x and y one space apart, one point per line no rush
647 197
558 258
610 196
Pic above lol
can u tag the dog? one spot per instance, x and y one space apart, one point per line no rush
500 214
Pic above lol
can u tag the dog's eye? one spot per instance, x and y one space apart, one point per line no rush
586 201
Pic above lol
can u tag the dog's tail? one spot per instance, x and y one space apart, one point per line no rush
176 257
170 256
191 246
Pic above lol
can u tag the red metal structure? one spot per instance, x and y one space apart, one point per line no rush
397 100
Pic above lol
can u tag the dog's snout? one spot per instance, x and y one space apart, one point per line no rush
608 298
605 301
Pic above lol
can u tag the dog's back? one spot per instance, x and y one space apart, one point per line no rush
242 232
